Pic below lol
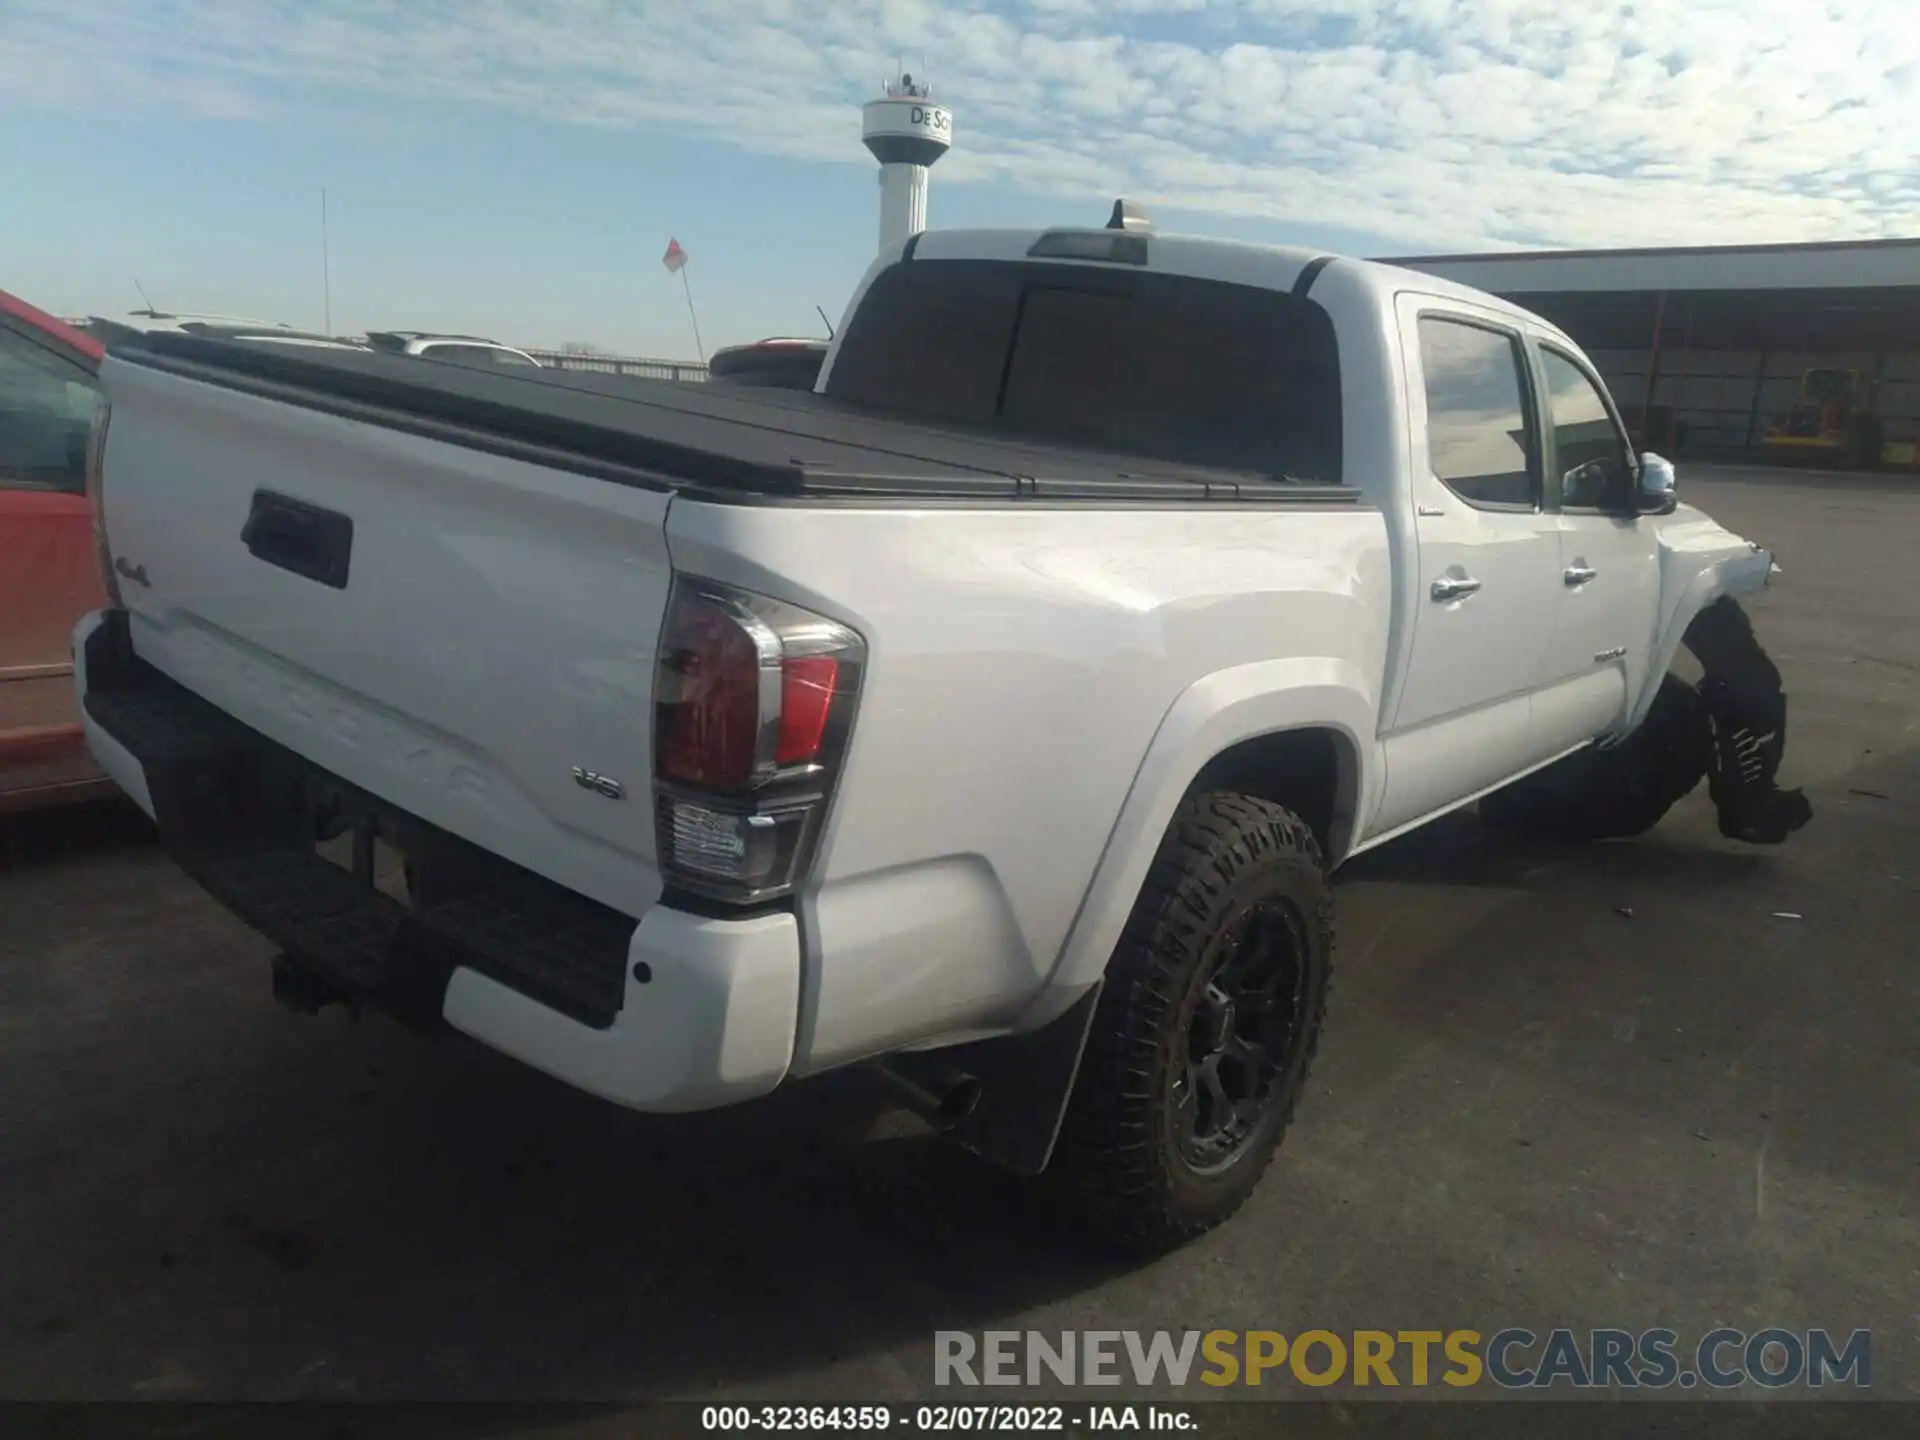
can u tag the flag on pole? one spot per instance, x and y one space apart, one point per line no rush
676 262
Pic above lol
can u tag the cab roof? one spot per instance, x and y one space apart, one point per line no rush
1201 257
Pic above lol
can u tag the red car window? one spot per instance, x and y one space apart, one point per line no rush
47 406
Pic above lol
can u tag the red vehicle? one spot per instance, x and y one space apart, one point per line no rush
780 363
49 577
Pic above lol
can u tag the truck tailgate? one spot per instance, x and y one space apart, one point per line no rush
451 630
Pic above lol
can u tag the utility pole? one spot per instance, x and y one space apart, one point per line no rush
326 273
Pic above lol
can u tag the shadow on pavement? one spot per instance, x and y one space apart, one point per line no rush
38 837
1460 849
329 1214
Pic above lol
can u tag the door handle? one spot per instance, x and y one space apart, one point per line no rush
299 537
1579 573
1452 587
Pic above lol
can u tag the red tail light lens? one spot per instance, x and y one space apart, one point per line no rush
754 702
806 697
709 696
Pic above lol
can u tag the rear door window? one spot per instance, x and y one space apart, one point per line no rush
1480 442
1161 368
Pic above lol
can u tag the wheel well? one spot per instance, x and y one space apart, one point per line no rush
1311 772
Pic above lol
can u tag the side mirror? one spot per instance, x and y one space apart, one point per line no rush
1600 483
1656 490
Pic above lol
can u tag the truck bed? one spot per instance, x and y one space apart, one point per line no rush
736 445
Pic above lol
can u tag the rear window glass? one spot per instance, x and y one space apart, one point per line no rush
1157 367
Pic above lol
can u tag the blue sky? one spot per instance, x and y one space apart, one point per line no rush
516 169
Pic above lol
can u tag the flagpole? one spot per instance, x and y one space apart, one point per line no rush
692 314
326 270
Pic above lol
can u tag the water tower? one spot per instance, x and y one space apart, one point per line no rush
906 132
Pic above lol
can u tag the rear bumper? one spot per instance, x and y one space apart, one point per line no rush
672 1012
712 1024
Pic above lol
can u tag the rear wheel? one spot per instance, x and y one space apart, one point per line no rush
1206 1027
1621 791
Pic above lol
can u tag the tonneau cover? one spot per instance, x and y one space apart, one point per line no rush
708 437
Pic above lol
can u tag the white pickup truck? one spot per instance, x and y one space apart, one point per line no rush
994 714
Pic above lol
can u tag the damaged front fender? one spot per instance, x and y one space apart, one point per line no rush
1700 561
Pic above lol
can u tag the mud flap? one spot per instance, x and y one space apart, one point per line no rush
1025 1084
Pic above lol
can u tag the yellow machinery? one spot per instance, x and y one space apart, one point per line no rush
1835 421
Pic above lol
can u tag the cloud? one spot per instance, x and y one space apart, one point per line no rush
1430 123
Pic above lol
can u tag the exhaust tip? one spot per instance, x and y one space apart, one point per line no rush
942 1102
961 1100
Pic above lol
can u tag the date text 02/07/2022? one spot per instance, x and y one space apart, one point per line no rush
940 1419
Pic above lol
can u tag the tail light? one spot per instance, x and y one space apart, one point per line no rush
754 703
96 501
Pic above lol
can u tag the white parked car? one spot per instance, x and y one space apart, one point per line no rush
995 716
210 327
457 349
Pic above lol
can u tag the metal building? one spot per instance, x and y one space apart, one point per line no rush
1707 350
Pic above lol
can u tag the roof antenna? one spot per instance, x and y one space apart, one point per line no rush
150 311
826 322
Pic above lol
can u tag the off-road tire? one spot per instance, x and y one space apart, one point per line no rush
1621 791
1225 856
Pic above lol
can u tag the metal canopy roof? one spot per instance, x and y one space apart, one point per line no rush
1840 319
1822 266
